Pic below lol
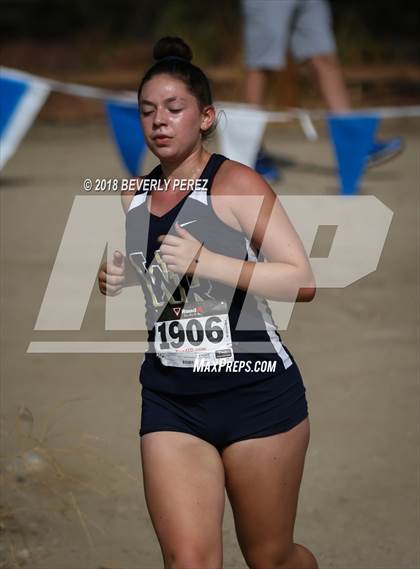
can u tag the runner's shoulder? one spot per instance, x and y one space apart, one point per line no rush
235 178
128 195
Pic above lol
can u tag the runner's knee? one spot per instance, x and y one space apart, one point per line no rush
281 556
268 555
192 559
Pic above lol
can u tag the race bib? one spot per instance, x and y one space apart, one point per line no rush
196 331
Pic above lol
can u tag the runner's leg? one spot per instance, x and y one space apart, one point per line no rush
185 494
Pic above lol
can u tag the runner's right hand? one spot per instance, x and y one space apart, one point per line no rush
111 276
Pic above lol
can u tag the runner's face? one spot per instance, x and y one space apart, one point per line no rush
170 117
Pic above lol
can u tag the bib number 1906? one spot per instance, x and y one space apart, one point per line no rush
175 333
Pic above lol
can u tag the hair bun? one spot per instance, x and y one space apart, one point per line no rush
172 46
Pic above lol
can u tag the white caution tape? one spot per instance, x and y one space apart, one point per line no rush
305 116
71 88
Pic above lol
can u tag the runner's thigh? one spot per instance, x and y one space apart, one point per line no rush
263 477
185 494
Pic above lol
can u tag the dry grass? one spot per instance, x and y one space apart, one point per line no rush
33 471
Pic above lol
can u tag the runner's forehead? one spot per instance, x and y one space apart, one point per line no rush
164 86
171 99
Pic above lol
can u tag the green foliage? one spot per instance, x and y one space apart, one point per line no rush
380 32
202 25
367 31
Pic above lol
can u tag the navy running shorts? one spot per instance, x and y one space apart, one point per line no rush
266 407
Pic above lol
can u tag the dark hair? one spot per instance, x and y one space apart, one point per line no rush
173 57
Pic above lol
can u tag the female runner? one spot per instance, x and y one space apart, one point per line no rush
223 402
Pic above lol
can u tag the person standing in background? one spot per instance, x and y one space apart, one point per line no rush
270 29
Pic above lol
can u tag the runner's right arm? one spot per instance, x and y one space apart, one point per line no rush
119 274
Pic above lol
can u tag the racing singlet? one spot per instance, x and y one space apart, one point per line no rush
193 319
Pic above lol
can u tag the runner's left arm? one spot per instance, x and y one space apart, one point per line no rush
287 274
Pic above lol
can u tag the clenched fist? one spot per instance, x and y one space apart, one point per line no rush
111 276
181 252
